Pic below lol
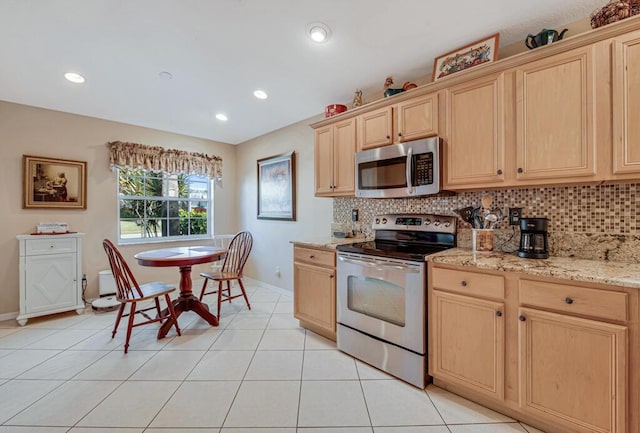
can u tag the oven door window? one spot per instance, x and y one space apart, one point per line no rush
385 174
376 298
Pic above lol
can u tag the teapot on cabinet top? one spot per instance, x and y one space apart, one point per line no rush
546 36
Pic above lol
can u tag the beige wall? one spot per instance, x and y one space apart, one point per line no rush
272 246
26 130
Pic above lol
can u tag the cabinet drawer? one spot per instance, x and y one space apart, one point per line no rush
574 299
50 246
468 283
314 257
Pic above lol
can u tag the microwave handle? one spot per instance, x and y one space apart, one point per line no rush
408 171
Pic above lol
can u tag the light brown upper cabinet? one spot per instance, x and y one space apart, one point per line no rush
475 130
417 118
626 104
405 121
555 111
335 147
375 128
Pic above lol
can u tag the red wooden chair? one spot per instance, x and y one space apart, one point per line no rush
129 292
231 270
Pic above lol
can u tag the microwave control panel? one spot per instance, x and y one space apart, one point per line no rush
423 169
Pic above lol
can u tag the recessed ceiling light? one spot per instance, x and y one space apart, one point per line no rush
164 75
221 117
319 32
260 94
74 77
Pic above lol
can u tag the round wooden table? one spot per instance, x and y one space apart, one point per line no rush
183 258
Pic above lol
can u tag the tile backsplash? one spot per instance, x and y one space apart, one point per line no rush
586 221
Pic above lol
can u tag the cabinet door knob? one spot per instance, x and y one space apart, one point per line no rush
331 276
498 313
520 170
399 134
312 256
568 300
522 318
463 283
499 171
388 137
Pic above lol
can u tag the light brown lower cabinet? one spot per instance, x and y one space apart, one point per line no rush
468 342
573 371
314 290
559 355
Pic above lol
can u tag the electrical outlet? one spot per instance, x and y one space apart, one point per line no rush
515 213
354 215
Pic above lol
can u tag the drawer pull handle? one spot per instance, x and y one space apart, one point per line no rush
312 256
463 283
568 300
498 313
522 318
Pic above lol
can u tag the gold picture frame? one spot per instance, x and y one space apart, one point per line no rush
477 53
277 187
52 183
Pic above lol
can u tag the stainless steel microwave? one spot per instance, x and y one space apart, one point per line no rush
400 170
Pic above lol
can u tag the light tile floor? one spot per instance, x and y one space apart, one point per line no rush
258 372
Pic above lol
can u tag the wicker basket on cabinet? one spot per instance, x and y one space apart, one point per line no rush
613 11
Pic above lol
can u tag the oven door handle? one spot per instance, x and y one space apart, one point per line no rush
377 264
408 170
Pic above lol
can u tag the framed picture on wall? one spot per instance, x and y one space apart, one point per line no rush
51 183
277 187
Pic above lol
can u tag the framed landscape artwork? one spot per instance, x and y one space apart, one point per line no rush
53 183
478 53
277 187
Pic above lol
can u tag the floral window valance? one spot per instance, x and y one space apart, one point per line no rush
156 158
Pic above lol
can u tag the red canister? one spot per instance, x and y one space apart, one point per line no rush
334 109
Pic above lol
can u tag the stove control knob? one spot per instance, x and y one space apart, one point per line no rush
447 224
437 223
384 220
427 222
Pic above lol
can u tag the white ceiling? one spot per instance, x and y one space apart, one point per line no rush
220 51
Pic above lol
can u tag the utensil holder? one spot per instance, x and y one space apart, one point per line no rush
482 240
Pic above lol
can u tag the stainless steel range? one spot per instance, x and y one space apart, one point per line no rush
381 292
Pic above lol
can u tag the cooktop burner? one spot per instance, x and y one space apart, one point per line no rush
410 237
391 249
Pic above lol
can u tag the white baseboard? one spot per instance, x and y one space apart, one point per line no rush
268 286
8 316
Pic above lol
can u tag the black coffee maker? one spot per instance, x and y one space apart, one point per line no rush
533 238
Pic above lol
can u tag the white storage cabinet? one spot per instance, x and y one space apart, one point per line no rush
50 275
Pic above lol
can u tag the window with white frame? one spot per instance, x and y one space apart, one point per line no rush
156 207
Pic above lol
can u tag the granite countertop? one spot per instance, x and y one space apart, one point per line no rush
328 242
593 271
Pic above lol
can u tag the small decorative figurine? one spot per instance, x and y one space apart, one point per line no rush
357 99
388 91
